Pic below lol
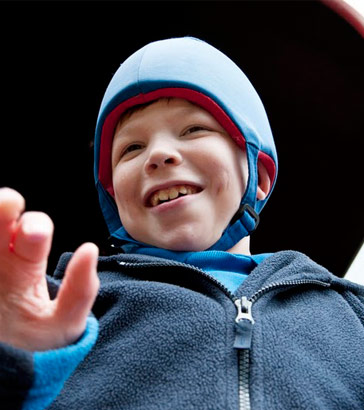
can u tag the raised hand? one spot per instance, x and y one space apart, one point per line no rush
28 318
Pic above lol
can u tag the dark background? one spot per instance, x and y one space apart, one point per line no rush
306 62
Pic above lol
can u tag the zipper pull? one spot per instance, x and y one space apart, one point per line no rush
243 323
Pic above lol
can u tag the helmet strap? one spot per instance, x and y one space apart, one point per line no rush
247 213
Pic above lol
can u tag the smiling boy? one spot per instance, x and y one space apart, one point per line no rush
178 177
185 317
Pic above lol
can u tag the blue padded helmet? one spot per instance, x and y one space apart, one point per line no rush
191 69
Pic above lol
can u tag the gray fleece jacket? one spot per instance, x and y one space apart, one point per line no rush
169 339
167 334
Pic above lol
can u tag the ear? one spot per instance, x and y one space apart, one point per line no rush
264 182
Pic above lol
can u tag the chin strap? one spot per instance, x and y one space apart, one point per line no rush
240 214
243 224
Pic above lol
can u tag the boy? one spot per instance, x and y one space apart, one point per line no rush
187 318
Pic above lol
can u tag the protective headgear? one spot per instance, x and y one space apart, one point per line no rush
191 69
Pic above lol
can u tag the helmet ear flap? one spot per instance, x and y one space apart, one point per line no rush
247 215
257 191
261 180
264 181
250 194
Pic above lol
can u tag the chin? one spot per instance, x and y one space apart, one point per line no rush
187 237
189 243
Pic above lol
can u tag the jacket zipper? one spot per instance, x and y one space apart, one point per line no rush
244 320
243 334
181 265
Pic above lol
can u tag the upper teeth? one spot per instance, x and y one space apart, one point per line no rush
171 193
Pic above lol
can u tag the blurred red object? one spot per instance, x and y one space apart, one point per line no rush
351 10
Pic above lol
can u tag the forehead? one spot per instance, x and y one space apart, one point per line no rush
171 109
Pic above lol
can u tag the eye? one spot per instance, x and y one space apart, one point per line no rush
193 129
131 148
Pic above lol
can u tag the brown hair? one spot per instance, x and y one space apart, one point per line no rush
135 108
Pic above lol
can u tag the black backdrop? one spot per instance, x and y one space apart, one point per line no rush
306 62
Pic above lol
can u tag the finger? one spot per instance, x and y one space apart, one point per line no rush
78 290
32 237
12 204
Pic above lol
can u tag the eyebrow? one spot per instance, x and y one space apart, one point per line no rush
180 112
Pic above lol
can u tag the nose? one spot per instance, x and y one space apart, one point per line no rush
162 154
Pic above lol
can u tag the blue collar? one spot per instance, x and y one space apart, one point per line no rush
229 269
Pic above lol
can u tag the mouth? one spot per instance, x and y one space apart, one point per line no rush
171 193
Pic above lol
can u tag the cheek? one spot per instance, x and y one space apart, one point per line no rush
228 175
124 189
241 172
224 181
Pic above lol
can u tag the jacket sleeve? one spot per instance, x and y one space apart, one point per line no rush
32 380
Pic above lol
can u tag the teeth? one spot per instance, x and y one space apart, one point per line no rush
183 190
171 193
163 195
154 200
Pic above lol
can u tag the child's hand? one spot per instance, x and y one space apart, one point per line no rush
28 318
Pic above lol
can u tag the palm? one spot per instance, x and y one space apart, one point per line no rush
28 318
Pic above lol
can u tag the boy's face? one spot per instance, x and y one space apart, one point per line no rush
178 177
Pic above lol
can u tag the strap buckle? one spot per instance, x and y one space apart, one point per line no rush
251 212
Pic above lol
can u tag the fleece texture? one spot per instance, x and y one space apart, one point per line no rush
167 334
32 380
53 367
16 376
308 346
227 268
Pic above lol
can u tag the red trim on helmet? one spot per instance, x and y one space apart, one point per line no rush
269 165
108 129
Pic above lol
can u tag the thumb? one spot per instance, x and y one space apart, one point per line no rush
78 290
